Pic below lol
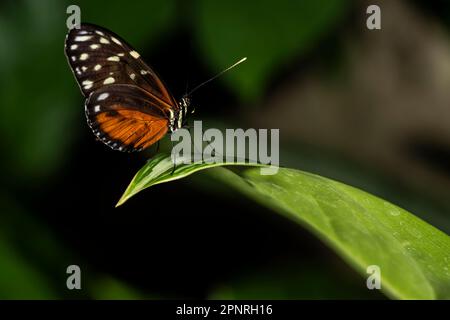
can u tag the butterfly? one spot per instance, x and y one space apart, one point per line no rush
127 105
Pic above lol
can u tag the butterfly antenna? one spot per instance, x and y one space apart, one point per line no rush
187 81
188 57
217 75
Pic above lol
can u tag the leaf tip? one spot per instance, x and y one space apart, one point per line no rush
121 201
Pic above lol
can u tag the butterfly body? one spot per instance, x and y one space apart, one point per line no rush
179 120
127 105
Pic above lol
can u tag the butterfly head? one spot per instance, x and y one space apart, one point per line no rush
185 103
179 120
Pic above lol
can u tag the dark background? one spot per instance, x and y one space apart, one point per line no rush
369 108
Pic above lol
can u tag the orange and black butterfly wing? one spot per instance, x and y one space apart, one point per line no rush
124 118
103 63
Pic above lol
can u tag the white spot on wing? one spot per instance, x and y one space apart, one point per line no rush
97 67
104 40
73 47
82 38
113 58
144 72
73 58
84 56
83 68
103 96
87 84
96 108
109 80
100 33
121 54
134 54
116 41
94 46
132 76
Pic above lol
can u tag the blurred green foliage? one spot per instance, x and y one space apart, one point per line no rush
271 34
25 265
37 103
292 280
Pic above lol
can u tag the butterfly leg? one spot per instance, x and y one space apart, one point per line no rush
174 162
173 169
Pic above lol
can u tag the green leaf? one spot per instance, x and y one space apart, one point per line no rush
159 170
414 257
